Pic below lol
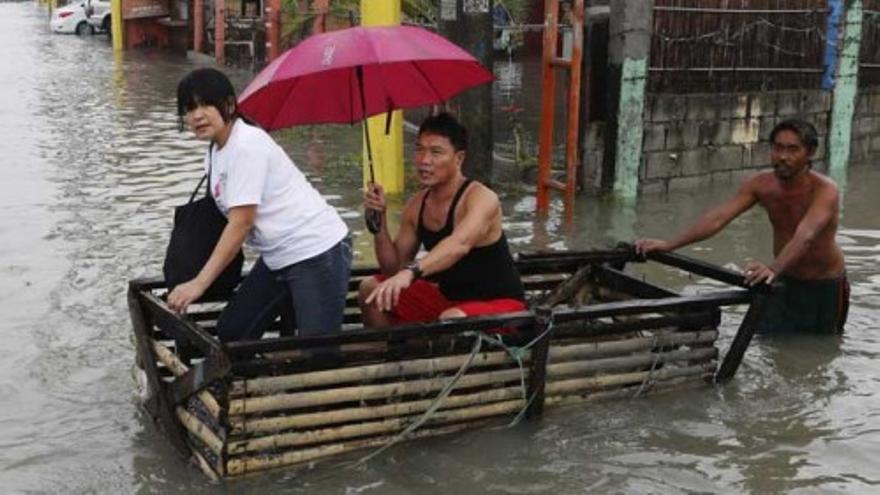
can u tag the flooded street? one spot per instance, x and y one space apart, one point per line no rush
92 163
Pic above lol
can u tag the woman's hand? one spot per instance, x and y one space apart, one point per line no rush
185 294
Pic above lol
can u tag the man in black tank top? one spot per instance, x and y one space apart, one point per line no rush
468 269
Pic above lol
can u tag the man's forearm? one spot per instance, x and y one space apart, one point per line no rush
445 254
706 227
386 252
791 253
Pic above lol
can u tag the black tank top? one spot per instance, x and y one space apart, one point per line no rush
485 273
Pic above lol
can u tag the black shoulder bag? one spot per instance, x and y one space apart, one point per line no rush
197 228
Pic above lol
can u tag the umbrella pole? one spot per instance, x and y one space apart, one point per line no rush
369 150
372 217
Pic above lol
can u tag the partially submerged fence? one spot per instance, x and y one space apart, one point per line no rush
869 58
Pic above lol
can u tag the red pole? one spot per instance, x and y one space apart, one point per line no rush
273 29
199 25
220 31
322 8
548 104
574 114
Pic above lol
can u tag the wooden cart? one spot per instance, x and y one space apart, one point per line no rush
594 332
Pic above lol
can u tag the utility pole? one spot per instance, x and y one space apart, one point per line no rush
468 23
117 24
386 138
629 48
846 85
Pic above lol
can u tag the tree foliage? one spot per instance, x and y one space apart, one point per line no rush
299 15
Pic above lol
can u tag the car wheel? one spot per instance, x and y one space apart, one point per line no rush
83 29
105 24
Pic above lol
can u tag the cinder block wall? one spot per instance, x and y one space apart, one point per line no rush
865 146
691 140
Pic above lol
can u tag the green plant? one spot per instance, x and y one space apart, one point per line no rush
297 16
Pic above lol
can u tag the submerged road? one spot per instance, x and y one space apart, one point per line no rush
92 163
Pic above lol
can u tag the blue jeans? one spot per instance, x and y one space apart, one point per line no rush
311 292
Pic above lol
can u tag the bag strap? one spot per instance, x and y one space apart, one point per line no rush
192 197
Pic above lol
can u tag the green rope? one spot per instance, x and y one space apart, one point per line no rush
651 370
516 353
444 393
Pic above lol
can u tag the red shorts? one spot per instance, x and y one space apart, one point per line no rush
422 301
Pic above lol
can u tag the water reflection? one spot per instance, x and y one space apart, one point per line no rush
95 165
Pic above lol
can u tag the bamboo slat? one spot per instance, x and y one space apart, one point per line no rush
245 425
206 467
567 288
364 373
242 466
581 385
554 391
449 363
240 407
166 357
384 427
629 392
554 371
616 347
242 425
200 430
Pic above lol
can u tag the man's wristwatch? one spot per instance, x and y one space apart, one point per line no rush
414 267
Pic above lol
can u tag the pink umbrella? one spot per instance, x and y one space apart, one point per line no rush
347 75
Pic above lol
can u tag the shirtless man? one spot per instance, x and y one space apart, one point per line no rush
803 207
468 269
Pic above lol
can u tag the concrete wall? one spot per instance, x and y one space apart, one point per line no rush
691 140
865 147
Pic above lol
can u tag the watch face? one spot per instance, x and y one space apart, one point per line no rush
413 266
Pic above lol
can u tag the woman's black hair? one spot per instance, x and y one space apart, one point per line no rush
206 87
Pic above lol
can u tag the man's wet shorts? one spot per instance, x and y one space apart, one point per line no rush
422 301
813 306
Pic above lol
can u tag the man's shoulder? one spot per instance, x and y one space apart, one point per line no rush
823 181
481 192
413 203
759 178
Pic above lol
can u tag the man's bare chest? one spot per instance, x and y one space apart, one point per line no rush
786 210
435 216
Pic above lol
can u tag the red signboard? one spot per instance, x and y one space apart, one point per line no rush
137 9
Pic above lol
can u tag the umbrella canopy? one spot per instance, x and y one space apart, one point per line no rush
347 75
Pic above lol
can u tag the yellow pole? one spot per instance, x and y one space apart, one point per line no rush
119 81
116 23
387 148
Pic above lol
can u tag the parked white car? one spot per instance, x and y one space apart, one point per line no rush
71 19
98 12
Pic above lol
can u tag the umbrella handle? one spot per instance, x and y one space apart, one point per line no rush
373 219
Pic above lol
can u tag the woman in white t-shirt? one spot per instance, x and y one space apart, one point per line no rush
304 246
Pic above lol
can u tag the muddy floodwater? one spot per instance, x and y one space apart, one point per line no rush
92 163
